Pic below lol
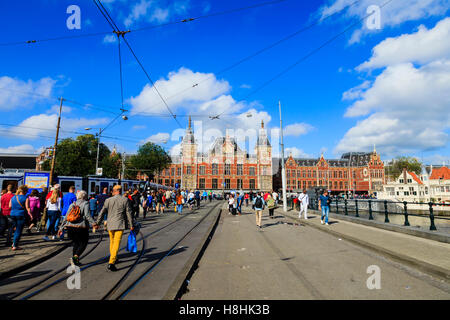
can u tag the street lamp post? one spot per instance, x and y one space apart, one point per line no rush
283 169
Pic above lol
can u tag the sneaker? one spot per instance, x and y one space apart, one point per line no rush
326 223
53 237
46 238
16 248
321 221
111 267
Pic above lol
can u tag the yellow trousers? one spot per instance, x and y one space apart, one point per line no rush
115 236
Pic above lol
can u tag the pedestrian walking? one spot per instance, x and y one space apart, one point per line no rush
191 200
54 213
76 221
119 219
246 197
270 205
34 210
258 204
159 202
93 205
43 209
136 202
5 217
230 204
324 206
303 199
20 206
240 200
179 201
197 198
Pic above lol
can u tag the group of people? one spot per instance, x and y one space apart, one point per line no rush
270 200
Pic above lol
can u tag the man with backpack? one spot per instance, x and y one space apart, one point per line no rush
76 221
258 204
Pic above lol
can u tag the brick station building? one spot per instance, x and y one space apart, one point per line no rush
355 172
224 167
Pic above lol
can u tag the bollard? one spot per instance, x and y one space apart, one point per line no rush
337 206
386 218
370 210
346 210
356 208
406 213
432 226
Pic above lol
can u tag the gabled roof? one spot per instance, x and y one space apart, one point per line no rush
415 177
440 173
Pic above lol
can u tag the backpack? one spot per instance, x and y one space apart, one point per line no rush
74 215
258 203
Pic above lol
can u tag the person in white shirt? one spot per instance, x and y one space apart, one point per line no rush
53 212
303 199
275 197
230 203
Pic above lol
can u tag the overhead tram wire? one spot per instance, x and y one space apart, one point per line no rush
305 57
119 33
138 29
207 16
262 50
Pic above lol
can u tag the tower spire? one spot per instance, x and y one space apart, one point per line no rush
189 122
262 124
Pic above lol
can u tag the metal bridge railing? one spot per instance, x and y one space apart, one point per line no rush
383 207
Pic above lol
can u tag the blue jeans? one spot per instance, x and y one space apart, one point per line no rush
325 211
17 222
53 218
179 208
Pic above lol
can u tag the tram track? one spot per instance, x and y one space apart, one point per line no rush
149 270
94 263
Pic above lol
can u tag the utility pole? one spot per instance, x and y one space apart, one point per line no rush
122 176
52 170
283 169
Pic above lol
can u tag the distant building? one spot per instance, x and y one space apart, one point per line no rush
10 162
426 187
355 173
224 167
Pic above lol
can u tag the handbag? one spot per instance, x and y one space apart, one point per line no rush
131 243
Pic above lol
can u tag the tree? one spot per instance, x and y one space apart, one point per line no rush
395 168
149 159
77 157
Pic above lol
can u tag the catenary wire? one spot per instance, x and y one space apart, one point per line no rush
260 51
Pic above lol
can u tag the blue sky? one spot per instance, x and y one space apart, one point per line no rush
389 87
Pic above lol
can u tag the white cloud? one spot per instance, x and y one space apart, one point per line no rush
295 152
139 10
410 110
18 93
21 149
297 129
110 38
138 127
407 105
43 124
424 46
160 15
393 14
158 138
176 92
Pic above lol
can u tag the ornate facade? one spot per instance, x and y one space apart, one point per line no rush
224 167
355 172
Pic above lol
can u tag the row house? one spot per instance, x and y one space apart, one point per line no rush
355 172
